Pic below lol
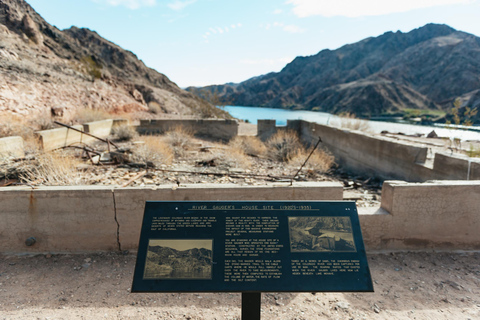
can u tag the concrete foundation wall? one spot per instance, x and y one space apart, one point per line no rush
367 154
101 129
12 147
78 219
438 215
381 157
221 129
61 137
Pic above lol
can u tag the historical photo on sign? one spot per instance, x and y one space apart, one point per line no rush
179 259
321 234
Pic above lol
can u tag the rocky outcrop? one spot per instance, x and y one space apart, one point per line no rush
425 68
42 67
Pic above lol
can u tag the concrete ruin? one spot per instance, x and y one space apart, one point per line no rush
441 215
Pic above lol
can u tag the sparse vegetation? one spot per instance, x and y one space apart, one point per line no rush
283 145
92 66
249 145
57 169
124 132
459 116
154 107
320 161
350 121
473 152
179 139
154 150
86 115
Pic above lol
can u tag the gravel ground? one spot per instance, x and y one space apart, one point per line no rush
97 286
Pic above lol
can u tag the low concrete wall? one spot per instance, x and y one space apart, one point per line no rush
61 137
382 157
221 129
78 219
360 152
12 147
441 215
101 129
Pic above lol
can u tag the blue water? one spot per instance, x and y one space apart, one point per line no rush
252 114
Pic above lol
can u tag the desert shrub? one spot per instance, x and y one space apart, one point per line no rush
154 107
249 145
92 66
179 139
350 121
124 132
319 161
55 169
86 115
12 125
232 157
43 121
154 150
283 145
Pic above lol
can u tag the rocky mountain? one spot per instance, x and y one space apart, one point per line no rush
426 68
43 67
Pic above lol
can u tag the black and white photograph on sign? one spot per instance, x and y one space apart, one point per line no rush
179 259
321 234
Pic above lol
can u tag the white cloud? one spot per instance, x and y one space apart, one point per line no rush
178 5
356 8
219 30
131 4
290 28
277 11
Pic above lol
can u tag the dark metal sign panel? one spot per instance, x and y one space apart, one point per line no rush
268 246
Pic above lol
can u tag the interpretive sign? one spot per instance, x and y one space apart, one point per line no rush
268 246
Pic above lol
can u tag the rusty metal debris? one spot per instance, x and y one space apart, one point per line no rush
107 141
306 160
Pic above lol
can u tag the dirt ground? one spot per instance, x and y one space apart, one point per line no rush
97 286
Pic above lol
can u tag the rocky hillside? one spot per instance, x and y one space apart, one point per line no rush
426 68
42 67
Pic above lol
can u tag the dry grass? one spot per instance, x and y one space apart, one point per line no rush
12 125
155 107
86 115
154 150
350 121
179 139
124 132
283 145
249 145
55 169
320 161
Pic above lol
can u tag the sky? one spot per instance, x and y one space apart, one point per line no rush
204 42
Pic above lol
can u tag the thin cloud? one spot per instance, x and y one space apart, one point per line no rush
277 11
130 4
178 5
290 28
355 8
212 31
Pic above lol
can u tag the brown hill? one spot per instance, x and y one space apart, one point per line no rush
426 68
42 67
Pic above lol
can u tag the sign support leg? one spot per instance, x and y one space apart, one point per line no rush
251 305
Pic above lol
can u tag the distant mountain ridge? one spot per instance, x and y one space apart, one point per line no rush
43 67
426 68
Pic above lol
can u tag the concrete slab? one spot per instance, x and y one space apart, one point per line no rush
12 147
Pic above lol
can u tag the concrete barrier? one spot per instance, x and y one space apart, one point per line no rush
101 129
382 157
12 147
441 215
221 129
81 219
61 137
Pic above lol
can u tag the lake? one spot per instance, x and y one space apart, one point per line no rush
252 114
